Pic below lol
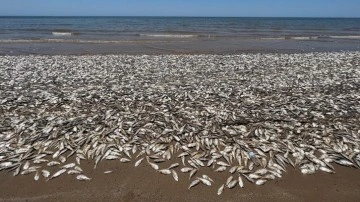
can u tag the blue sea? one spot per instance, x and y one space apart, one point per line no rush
211 32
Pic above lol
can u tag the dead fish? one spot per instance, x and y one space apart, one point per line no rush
205 181
17 171
53 163
28 171
112 157
58 173
62 159
248 178
233 169
45 173
186 169
38 161
175 175
229 180
325 169
83 177
207 177
174 165
78 168
67 166
260 182
254 176
72 172
153 165
221 163
5 164
138 162
194 183
192 173
37 176
241 183
26 165
220 190
232 184
165 171
261 171
124 160
221 169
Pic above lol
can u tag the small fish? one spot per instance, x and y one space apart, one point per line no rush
233 169
108 171
37 176
241 183
220 169
186 169
17 171
26 165
175 175
82 177
174 165
229 180
248 178
62 159
220 190
207 177
138 162
205 181
58 173
45 173
124 160
53 163
26 172
78 168
67 166
232 184
5 164
261 171
194 183
260 182
221 163
72 172
325 169
254 176
192 173
210 162
165 171
38 161
153 165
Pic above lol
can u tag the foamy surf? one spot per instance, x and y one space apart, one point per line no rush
62 33
345 37
169 35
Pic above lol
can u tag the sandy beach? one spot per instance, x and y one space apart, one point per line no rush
291 120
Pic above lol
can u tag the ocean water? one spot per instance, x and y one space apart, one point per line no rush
112 30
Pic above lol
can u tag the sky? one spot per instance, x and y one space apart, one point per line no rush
226 8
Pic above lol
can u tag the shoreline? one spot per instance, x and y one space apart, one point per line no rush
218 46
286 119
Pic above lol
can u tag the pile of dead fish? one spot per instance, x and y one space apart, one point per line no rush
250 115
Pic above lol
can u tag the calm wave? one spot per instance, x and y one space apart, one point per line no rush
118 29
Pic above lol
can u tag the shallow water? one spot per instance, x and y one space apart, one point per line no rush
20 35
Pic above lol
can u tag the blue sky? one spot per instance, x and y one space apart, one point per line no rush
247 8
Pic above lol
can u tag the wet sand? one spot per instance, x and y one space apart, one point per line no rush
186 46
127 183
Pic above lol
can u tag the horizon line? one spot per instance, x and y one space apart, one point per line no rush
174 16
